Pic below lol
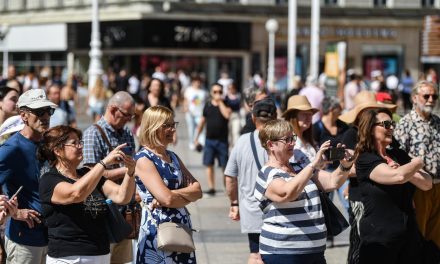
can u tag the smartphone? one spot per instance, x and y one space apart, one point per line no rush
16 193
127 150
335 154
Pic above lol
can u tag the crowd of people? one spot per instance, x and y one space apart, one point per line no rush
276 164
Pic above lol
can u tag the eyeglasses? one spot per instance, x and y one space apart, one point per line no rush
125 114
387 124
426 96
39 112
76 144
288 140
217 92
172 125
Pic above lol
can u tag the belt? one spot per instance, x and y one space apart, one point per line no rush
435 181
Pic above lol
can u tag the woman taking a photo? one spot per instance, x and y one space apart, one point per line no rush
164 184
74 200
294 228
387 179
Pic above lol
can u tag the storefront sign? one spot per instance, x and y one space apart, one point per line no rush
351 32
164 34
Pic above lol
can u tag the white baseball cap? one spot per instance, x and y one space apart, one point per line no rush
34 98
11 125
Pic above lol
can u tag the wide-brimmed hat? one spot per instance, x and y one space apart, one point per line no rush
364 100
298 103
11 125
34 98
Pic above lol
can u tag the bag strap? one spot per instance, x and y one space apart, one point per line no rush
254 151
104 136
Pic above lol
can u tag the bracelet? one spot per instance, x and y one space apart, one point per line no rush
234 204
314 170
103 164
345 169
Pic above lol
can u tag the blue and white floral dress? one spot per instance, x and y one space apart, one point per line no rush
172 176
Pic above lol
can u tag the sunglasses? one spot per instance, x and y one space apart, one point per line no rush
217 92
387 124
426 96
172 125
288 140
39 112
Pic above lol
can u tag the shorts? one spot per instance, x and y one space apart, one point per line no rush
254 242
215 149
315 258
101 259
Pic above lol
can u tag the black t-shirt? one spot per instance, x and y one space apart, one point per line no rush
216 123
388 210
321 135
74 229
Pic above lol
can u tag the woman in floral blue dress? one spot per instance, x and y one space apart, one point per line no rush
164 184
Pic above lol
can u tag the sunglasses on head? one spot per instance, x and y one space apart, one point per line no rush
39 112
387 124
426 96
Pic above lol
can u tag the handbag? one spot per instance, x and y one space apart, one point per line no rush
173 237
132 212
117 227
334 220
133 215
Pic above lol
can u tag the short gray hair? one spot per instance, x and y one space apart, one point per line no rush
422 83
121 98
250 93
329 103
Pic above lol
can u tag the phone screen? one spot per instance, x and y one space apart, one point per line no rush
127 150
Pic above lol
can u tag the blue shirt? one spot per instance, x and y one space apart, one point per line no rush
19 167
95 148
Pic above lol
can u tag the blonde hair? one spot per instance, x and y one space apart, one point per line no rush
98 89
152 119
274 130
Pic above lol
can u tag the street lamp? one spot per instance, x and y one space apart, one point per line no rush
95 66
271 27
3 33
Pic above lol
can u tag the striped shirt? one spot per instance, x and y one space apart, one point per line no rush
295 227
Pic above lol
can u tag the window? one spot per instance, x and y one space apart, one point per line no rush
380 2
330 2
428 3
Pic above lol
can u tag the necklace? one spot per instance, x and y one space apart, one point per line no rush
63 172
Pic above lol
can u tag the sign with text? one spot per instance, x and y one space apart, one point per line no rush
164 34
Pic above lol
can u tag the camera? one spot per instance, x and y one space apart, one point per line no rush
333 154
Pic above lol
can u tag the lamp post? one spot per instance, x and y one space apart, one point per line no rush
291 49
271 27
314 40
3 33
95 66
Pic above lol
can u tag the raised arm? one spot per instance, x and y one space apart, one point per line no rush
123 193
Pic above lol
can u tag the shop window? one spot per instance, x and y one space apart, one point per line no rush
330 2
380 2
282 2
428 3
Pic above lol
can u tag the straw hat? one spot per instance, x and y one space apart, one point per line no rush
363 100
298 103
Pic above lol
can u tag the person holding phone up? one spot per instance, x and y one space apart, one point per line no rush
294 228
74 200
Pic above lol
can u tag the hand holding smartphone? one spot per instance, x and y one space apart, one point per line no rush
16 193
335 153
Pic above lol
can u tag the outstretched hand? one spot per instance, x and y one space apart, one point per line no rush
320 160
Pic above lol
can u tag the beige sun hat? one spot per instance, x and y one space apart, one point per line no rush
363 100
298 103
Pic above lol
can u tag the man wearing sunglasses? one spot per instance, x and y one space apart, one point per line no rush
100 139
26 236
418 133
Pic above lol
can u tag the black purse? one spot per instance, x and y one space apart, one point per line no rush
117 227
334 220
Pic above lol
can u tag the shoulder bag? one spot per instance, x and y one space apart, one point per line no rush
173 237
131 212
334 220
117 227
